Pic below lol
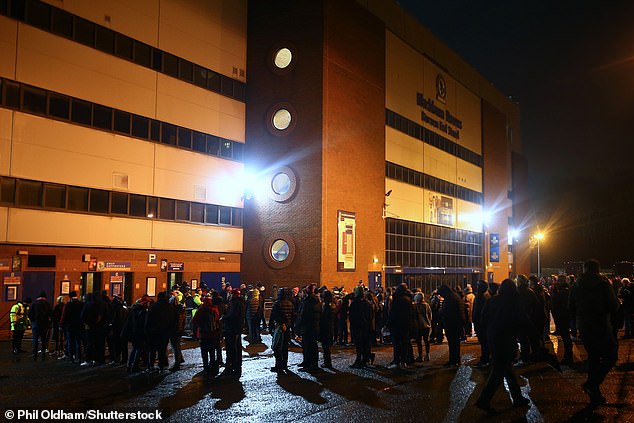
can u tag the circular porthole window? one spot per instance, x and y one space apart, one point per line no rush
280 250
282 119
283 58
281 183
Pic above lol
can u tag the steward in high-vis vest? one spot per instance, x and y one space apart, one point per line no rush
19 322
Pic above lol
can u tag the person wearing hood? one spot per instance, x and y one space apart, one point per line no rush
134 331
399 322
593 304
206 326
503 318
453 318
481 299
360 318
310 316
561 314
232 328
160 324
327 327
422 325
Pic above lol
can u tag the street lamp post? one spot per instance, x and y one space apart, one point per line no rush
539 236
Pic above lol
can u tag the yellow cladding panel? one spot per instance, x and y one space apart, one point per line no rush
469 216
4 216
179 171
215 32
137 19
469 175
8 37
405 202
403 149
54 151
83 72
469 110
170 236
403 77
6 123
440 164
186 105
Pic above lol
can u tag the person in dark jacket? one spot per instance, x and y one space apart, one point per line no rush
159 326
530 337
561 314
360 317
179 316
40 315
627 303
206 327
327 327
134 330
502 318
593 303
480 301
283 317
399 322
118 317
453 318
435 302
58 333
94 315
310 317
72 325
422 325
253 315
232 322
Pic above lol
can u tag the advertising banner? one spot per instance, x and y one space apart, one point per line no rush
346 239
494 248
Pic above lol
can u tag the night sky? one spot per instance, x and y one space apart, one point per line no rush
570 67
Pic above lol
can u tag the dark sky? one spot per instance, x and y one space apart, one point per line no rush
570 67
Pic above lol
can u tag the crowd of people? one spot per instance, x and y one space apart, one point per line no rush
502 316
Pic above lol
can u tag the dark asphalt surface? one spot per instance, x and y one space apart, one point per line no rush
427 392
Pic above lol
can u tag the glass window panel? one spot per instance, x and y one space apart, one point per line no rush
62 23
283 58
142 54
185 137
29 193
34 99
81 112
236 217
211 214
122 122
58 105
200 76
152 207
84 32
168 134
102 117
104 39
226 86
157 59
199 142
226 149
280 250
12 94
123 46
182 210
186 69
39 15
137 205
197 212
170 65
166 209
119 203
99 201
238 151
213 81
7 190
239 91
54 196
140 126
77 199
213 145
155 130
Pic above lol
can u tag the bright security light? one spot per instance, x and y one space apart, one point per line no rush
539 236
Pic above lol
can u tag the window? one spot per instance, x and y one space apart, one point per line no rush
84 31
140 127
281 183
39 15
157 60
283 58
226 149
142 54
62 23
77 199
155 130
197 212
34 100
237 150
122 122
166 209
199 143
123 46
281 119
213 81
280 250
200 76
225 215
104 39
7 190
213 145
184 137
226 86
29 193
54 196
81 112
59 106
186 69
102 117
119 203
170 65
137 205
236 219
182 210
152 207
211 214
168 134
12 94
99 200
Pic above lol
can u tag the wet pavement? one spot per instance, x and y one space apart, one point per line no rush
427 392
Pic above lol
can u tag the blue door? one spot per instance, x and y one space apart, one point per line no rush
36 282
